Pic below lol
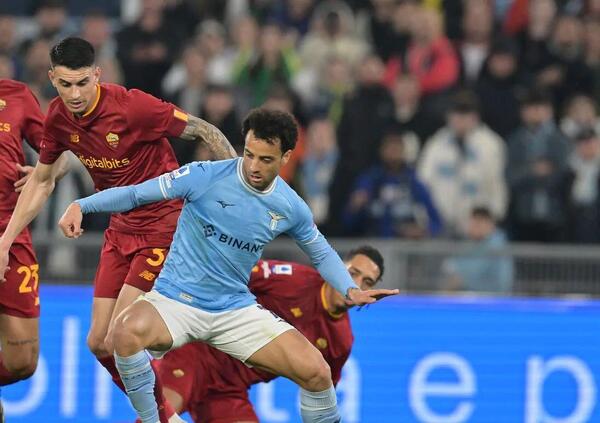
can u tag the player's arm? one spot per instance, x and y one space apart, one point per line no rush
30 203
327 261
181 183
200 130
59 170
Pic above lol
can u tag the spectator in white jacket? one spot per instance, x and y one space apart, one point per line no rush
463 166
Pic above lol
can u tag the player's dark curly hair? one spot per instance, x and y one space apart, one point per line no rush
372 253
272 125
73 53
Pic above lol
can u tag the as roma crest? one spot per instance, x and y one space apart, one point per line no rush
112 139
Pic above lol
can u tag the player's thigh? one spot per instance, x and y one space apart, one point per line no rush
113 267
19 338
142 324
290 355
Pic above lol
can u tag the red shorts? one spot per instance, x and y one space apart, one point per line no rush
132 259
19 294
213 385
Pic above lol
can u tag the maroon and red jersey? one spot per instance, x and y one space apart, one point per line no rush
20 118
297 294
121 140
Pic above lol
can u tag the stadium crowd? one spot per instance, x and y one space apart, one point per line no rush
418 118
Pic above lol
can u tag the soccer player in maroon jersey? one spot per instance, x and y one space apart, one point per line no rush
213 387
20 118
120 137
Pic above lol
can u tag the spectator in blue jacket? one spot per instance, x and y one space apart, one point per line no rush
389 200
481 267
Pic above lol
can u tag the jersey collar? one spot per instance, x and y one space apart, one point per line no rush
326 305
249 187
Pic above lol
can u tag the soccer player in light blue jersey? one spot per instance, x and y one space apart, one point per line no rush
233 208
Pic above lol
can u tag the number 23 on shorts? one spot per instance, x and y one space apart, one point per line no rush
30 280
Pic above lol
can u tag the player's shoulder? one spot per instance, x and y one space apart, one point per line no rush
10 86
219 168
290 196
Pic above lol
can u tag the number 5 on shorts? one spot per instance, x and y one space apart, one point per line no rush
160 257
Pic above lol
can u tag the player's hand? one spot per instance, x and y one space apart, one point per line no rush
359 297
4 267
70 222
26 170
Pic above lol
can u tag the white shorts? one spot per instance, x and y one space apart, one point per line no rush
239 333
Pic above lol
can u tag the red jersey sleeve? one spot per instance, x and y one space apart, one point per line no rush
150 118
50 148
33 127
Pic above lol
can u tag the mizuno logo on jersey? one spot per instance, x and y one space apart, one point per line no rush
275 218
225 204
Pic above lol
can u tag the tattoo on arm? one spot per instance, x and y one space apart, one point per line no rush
21 342
198 129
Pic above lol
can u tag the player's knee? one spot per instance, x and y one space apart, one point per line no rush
128 332
95 343
23 366
317 375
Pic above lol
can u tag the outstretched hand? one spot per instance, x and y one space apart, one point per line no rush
359 297
70 222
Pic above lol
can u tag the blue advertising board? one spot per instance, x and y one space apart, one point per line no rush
415 359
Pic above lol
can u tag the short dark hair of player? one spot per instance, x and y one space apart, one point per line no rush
372 253
73 53
272 125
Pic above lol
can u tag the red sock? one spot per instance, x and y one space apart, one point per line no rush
165 410
108 363
6 377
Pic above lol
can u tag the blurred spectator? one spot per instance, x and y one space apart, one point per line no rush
272 64
481 269
51 22
147 48
7 67
293 15
580 113
189 92
592 54
281 98
537 160
593 9
96 28
476 41
319 163
8 36
532 39
36 66
210 41
368 111
497 88
463 166
389 201
331 34
410 118
583 181
430 57
388 27
566 72
332 85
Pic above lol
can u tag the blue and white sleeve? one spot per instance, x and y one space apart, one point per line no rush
180 183
325 259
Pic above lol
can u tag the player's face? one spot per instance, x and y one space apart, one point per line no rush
77 88
262 161
365 274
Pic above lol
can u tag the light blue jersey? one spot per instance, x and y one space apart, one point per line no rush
224 226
